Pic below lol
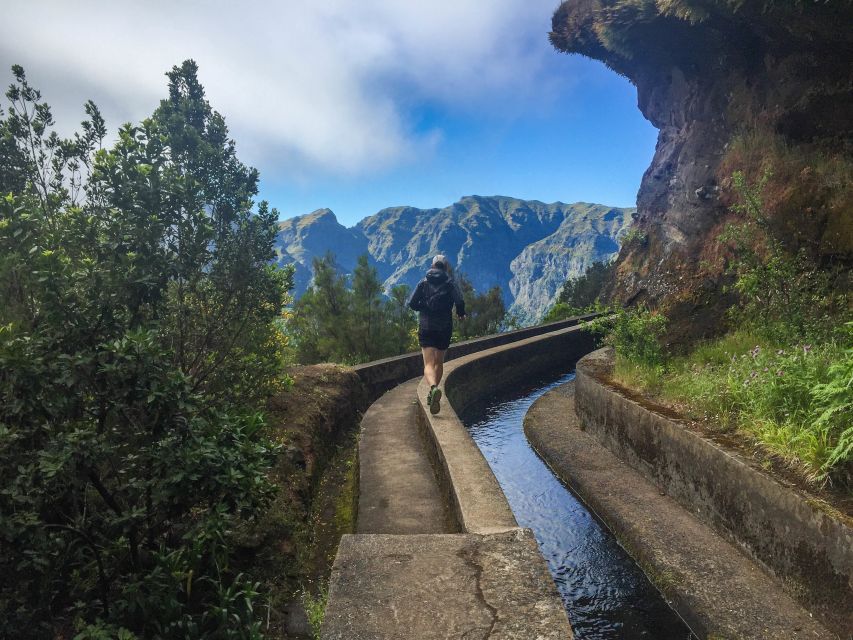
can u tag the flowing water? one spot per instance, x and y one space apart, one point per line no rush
605 593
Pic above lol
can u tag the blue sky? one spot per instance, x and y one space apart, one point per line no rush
587 141
356 106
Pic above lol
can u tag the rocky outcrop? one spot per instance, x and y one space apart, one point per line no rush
526 247
731 86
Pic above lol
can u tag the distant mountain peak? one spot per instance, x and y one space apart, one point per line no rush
526 247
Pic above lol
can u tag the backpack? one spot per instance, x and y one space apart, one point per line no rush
439 298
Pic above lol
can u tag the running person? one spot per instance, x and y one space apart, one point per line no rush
433 299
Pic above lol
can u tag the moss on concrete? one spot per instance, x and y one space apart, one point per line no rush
292 547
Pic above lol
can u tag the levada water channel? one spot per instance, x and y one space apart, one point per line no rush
605 593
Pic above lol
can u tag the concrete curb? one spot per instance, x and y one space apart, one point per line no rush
472 489
716 589
786 531
381 375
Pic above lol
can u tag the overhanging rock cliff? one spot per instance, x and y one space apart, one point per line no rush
731 85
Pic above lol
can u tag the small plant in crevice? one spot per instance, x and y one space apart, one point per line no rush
634 237
315 608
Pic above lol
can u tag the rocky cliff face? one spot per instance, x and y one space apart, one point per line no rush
747 86
528 248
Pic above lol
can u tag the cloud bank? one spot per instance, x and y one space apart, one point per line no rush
308 88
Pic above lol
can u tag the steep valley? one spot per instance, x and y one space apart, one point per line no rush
526 247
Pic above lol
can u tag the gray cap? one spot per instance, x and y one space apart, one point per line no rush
442 260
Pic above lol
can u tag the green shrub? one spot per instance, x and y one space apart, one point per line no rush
315 608
138 342
636 335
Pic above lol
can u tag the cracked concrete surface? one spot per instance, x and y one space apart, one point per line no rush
491 587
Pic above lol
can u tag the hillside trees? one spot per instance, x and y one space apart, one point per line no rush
580 295
138 340
348 320
485 311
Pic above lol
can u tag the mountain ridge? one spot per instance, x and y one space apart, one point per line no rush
527 247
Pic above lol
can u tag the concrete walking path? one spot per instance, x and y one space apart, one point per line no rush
410 573
398 489
716 589
441 587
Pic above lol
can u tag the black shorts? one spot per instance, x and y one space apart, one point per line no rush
439 339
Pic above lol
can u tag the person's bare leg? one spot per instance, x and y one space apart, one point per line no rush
429 365
438 365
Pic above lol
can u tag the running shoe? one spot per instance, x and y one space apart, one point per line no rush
435 401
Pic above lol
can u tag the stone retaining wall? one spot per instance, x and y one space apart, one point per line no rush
802 542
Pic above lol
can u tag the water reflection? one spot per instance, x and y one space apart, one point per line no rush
606 595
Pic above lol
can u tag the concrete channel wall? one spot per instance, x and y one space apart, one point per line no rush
476 369
470 486
806 544
381 375
483 576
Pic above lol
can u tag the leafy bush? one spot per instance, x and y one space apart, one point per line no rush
138 341
636 335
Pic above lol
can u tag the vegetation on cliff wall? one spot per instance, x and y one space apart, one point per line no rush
745 217
139 341
783 379
733 87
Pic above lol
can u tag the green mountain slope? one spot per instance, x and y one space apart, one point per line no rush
526 247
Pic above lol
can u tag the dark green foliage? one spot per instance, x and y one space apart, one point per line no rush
581 295
335 322
585 291
636 335
138 341
485 311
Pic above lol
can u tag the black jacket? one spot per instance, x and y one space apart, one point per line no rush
435 282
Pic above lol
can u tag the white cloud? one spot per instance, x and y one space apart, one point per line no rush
307 87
